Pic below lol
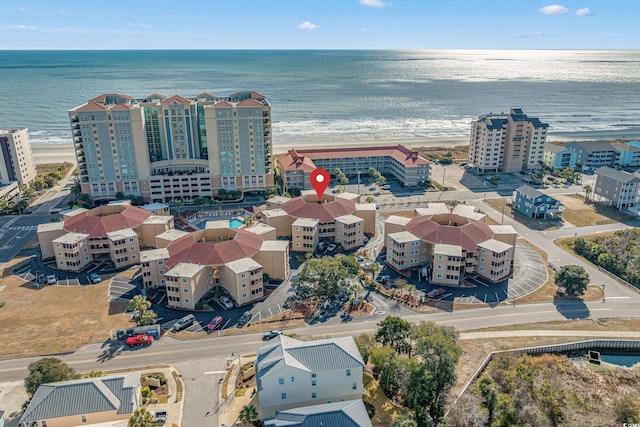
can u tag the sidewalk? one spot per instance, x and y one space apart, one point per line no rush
229 409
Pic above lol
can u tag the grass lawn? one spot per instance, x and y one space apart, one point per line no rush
54 318
386 410
581 214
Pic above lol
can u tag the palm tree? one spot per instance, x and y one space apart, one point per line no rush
248 414
355 288
147 318
139 304
370 199
587 191
140 418
373 268
410 288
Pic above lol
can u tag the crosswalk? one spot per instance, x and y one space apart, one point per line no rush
22 228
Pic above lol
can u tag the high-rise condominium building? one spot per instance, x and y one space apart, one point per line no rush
507 142
16 163
173 148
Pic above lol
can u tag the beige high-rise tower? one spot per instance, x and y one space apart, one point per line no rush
16 162
507 142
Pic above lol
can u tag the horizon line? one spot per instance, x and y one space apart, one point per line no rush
301 49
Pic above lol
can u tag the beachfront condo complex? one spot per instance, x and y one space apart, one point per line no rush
16 162
166 148
508 143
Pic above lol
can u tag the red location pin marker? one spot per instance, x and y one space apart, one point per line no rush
320 181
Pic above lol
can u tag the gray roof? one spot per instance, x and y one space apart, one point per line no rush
529 191
84 396
592 146
621 176
620 146
350 413
312 356
554 148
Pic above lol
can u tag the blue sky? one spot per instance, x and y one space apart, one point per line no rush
319 24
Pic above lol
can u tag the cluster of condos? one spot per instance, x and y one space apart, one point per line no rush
167 148
299 384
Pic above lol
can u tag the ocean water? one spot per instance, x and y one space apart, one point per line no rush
341 95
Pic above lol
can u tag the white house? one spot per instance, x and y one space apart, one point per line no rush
291 373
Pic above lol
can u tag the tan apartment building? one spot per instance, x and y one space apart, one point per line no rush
338 219
408 167
112 232
508 143
16 162
166 148
448 245
86 401
191 264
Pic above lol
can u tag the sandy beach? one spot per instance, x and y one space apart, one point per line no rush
58 153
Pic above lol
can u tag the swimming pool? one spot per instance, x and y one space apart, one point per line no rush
235 223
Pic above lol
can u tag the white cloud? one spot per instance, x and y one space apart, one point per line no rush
583 12
22 9
306 25
554 9
531 35
21 27
374 3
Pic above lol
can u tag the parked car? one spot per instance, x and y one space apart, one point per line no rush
438 292
246 316
271 334
365 239
52 279
226 303
139 340
215 322
94 278
41 278
332 247
159 417
377 205
385 187
184 323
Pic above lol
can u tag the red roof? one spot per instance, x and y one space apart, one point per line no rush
95 225
121 107
155 96
324 212
92 106
103 98
468 235
177 98
252 94
303 159
250 103
191 249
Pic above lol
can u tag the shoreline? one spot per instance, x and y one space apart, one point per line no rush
58 153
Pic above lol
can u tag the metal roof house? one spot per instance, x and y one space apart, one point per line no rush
535 204
292 373
350 413
83 402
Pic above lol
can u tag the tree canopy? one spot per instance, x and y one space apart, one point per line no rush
573 279
47 370
325 277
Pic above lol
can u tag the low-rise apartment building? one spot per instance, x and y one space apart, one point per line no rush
591 155
189 265
86 401
508 143
448 245
618 188
629 154
408 167
306 221
16 161
559 157
112 232
536 204
292 373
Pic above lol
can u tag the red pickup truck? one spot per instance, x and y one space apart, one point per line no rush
139 340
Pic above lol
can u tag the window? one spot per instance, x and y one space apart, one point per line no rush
186 300
281 381
83 418
244 295
313 395
133 248
354 386
313 375
185 290
44 423
348 372
293 379
184 280
283 396
313 383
